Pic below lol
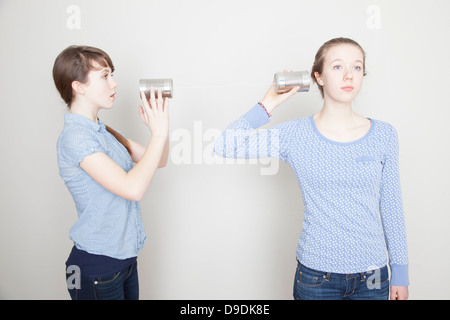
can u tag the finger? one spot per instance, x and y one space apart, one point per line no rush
152 97
143 97
166 104
144 100
287 94
393 294
160 99
146 109
294 90
142 114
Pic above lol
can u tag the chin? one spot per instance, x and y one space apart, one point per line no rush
342 100
108 106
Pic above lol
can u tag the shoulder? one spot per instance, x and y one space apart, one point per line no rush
74 135
294 125
384 128
298 122
386 134
76 141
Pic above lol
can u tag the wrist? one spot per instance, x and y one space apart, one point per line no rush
265 107
159 137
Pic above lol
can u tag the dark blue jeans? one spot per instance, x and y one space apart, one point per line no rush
310 284
122 285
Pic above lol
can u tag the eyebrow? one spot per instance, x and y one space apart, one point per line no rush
341 60
103 69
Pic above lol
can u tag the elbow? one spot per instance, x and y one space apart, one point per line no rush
138 197
162 164
135 195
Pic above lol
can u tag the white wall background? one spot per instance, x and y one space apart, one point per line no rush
216 231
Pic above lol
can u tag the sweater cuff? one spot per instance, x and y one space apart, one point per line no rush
399 275
256 117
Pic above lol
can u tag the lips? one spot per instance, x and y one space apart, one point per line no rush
348 88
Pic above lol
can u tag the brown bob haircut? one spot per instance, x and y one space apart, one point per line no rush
74 64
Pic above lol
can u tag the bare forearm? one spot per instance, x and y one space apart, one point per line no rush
165 155
140 177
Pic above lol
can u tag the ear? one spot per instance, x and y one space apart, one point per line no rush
318 78
78 87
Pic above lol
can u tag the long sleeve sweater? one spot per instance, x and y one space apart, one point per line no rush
353 213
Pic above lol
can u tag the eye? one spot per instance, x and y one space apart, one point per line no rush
337 67
358 68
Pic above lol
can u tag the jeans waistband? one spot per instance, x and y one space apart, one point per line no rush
327 275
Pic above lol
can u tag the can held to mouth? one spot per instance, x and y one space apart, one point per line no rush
285 81
163 85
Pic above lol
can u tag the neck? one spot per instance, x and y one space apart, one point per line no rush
335 114
84 109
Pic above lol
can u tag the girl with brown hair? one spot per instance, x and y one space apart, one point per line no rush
107 175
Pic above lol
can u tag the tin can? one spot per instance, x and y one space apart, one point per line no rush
285 81
163 85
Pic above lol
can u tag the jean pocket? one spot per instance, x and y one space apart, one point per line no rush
107 279
310 278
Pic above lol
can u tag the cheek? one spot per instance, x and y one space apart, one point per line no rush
358 79
332 80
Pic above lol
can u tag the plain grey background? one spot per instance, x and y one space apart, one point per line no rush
216 230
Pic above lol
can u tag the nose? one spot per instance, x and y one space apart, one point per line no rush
348 75
114 84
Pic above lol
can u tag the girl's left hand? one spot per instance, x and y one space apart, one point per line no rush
399 293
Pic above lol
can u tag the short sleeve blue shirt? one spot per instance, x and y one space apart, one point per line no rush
107 223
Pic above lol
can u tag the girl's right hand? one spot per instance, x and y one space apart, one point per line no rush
155 113
272 99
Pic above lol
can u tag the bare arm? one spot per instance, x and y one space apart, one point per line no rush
137 152
134 184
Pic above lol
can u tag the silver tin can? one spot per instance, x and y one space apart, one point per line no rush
163 85
285 81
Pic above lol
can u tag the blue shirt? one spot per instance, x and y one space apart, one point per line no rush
353 215
107 224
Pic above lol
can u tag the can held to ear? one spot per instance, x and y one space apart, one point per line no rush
163 85
285 81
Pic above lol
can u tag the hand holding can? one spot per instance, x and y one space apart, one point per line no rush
285 81
165 86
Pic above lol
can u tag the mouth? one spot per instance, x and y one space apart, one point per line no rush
113 96
348 88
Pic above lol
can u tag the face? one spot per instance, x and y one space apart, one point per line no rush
342 73
100 88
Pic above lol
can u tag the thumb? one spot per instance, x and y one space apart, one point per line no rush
294 90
